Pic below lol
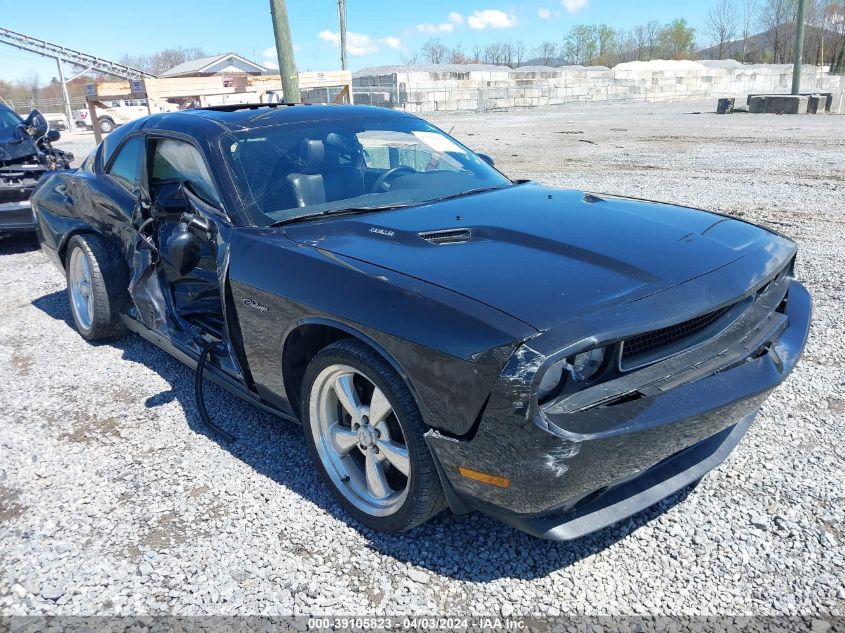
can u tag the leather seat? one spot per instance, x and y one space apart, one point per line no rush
323 178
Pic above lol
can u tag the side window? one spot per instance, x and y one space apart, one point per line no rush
126 167
181 161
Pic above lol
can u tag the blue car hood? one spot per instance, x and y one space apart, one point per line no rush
544 255
15 144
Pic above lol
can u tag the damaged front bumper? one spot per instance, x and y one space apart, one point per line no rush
16 186
617 448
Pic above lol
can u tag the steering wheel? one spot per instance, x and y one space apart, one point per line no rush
390 173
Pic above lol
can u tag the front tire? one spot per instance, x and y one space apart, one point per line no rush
96 287
365 435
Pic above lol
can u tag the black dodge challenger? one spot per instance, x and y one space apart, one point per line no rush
446 336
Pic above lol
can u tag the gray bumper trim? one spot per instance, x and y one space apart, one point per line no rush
637 494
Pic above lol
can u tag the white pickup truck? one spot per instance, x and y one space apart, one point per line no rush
116 113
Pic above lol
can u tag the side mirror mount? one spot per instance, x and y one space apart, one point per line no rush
183 249
487 159
53 135
37 124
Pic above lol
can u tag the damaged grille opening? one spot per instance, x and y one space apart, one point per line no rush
451 236
623 399
644 346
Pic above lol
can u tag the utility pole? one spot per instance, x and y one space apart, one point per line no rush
284 51
341 20
797 58
68 112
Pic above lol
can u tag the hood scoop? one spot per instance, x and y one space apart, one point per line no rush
447 236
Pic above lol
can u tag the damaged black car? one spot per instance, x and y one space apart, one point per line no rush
26 154
446 336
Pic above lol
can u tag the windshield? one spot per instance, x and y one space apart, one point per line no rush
9 118
293 170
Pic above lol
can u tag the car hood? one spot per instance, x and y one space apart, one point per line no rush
538 254
15 145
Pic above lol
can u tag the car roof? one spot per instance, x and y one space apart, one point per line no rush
207 124
242 117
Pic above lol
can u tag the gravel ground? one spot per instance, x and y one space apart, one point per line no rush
113 499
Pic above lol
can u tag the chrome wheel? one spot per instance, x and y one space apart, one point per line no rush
81 290
359 440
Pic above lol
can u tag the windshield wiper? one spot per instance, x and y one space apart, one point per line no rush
468 193
344 211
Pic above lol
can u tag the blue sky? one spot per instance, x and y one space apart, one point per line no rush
380 32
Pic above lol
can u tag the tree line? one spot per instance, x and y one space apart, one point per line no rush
750 31
586 44
764 31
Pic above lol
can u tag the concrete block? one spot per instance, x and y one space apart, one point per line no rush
837 103
817 104
778 104
725 106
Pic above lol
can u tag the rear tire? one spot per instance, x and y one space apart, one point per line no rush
375 462
96 287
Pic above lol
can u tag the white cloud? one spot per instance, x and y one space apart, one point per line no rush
492 18
543 13
391 42
453 19
446 27
269 58
574 6
357 44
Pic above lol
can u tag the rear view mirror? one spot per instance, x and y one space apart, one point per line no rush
487 159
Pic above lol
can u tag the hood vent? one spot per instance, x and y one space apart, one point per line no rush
447 236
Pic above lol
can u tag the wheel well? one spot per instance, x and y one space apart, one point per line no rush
301 345
68 238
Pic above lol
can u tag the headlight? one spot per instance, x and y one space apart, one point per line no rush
587 364
550 380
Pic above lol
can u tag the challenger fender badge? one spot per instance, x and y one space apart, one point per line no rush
252 303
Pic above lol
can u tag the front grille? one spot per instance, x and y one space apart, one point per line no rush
645 345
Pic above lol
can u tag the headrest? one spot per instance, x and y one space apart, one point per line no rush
313 153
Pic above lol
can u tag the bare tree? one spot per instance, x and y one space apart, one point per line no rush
640 40
411 59
721 23
834 19
652 37
776 18
164 60
547 52
749 11
434 51
477 54
496 53
518 53
456 55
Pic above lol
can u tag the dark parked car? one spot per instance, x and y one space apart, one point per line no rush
446 336
26 154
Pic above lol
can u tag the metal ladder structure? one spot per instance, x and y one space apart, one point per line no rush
76 58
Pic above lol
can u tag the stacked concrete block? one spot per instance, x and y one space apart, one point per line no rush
472 87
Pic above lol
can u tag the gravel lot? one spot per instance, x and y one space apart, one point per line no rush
114 500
